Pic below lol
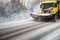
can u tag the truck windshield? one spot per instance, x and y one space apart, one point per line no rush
47 5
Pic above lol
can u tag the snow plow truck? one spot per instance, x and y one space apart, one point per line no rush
48 9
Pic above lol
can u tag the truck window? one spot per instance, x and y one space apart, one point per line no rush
40 6
47 5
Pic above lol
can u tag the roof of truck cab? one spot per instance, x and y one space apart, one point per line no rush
49 2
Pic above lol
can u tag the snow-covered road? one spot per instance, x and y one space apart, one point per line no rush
30 30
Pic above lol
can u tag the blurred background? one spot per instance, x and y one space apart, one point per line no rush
16 10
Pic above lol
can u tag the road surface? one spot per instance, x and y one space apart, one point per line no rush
32 30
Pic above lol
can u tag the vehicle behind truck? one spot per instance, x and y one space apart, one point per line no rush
48 9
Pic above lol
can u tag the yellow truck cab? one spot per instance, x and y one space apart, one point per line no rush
48 9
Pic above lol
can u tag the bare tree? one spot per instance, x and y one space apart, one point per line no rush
15 1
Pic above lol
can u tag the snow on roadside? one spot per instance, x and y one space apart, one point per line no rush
14 12
15 17
14 23
10 12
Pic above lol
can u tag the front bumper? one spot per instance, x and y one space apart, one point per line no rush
42 16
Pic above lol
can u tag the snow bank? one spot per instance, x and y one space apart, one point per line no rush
16 10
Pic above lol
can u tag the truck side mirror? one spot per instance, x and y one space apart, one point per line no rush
55 5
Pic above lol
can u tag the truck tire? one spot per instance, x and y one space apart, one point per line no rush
55 17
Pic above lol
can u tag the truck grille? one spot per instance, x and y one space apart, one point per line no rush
47 11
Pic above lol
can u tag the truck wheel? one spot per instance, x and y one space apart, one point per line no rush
55 17
35 19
